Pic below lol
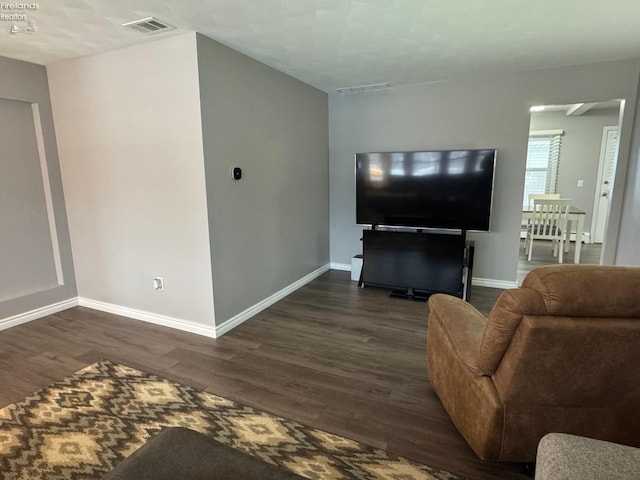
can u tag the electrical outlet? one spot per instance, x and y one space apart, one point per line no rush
158 283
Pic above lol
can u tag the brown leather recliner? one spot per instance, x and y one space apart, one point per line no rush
559 354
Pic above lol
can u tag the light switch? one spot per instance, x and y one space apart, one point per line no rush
580 183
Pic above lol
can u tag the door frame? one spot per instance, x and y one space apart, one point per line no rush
601 165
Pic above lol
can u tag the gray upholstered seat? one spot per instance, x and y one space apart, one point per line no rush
569 457
180 453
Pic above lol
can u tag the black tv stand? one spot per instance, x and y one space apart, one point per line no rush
416 264
411 294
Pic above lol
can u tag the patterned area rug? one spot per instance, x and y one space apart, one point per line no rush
82 426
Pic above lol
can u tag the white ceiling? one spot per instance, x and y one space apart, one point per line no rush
342 43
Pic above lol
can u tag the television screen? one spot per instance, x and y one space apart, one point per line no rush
436 189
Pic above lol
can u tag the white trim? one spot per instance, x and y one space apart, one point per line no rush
492 283
545 133
188 326
242 317
578 109
345 267
25 317
585 237
48 197
165 321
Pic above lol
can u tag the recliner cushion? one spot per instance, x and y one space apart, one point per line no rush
502 323
587 290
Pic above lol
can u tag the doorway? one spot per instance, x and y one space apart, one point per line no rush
572 152
606 174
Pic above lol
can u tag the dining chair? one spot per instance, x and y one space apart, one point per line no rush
548 222
542 196
538 196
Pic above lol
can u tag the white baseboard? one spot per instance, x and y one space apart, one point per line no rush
345 267
165 321
586 237
25 317
492 283
188 326
242 317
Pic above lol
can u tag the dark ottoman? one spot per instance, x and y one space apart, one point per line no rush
180 453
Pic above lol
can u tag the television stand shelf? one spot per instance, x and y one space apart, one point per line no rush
411 294
417 264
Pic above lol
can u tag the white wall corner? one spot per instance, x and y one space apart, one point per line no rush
163 320
37 313
245 315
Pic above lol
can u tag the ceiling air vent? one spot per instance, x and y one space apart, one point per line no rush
149 25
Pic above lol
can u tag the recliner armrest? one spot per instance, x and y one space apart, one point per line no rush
463 324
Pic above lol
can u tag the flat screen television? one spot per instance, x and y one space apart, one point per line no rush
432 189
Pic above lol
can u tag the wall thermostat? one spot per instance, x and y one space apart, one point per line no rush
236 173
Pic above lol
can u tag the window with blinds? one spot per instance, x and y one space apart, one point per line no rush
543 161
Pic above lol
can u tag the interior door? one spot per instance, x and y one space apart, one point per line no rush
607 168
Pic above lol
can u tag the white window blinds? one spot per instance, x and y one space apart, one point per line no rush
543 161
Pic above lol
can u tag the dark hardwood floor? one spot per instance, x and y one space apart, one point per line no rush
347 360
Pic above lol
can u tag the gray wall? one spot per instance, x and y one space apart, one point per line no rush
33 222
26 251
469 113
580 153
128 124
628 252
271 228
